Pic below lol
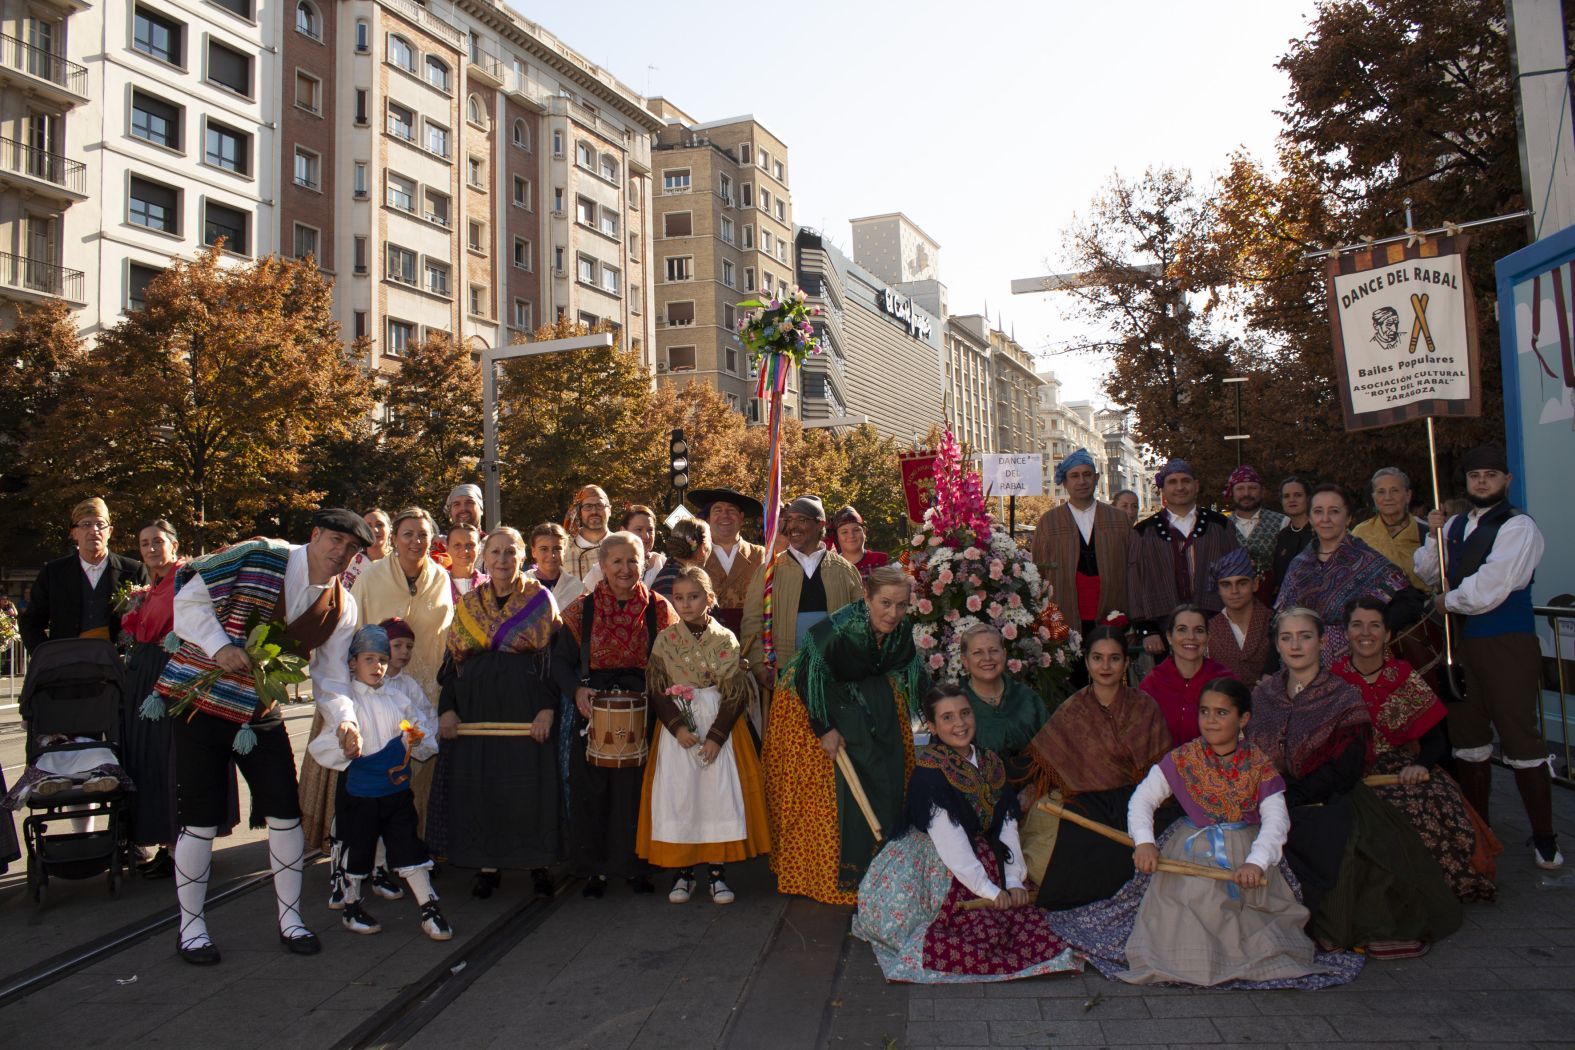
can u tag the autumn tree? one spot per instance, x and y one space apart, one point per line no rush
432 437
206 405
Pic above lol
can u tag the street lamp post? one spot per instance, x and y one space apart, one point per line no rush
1237 437
489 403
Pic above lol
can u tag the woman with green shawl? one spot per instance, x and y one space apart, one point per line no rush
1006 712
853 685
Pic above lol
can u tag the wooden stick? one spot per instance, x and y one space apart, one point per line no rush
856 789
1174 867
496 725
1379 780
468 730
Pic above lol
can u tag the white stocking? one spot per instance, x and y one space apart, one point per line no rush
353 888
287 855
193 856
419 878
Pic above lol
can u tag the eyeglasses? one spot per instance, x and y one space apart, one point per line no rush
95 526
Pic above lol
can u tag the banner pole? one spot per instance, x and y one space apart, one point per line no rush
1443 570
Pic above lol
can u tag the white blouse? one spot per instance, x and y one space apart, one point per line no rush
956 850
1155 789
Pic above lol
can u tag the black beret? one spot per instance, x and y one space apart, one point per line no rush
337 519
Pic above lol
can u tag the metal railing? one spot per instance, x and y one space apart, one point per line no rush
45 65
41 164
1564 685
426 19
33 275
13 670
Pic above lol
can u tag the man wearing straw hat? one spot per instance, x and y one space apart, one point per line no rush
72 597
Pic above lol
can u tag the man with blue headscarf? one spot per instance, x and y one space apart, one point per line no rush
1081 546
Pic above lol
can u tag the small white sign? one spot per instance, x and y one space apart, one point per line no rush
680 513
1014 474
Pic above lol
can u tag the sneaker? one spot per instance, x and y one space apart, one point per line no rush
51 786
432 922
720 894
683 888
101 785
386 886
357 919
1547 855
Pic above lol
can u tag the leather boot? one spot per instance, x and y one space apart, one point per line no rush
1476 783
1536 793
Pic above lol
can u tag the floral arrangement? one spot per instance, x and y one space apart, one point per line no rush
128 597
8 629
684 697
779 326
968 570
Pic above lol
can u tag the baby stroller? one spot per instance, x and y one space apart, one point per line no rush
74 687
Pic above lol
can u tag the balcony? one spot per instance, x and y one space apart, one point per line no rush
42 72
418 14
46 174
486 67
31 279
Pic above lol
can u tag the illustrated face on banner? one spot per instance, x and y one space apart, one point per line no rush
1386 327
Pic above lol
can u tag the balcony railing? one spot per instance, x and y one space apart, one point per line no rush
33 275
422 17
40 164
45 65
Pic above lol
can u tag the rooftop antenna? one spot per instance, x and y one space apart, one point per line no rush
648 71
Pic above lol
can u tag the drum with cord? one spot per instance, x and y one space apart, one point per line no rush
617 737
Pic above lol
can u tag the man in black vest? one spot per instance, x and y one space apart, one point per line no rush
1492 555
72 595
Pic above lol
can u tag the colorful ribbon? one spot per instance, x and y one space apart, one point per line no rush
1217 853
772 383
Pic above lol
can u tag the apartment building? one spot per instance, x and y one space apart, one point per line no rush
722 224
458 170
1016 389
969 386
1107 435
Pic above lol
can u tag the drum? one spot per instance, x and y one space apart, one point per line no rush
617 735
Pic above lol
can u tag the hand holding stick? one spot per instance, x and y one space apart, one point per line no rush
856 789
1174 867
1378 780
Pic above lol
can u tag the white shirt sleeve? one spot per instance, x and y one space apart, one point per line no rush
1275 826
956 850
1149 796
195 620
1516 551
1425 561
330 669
1016 866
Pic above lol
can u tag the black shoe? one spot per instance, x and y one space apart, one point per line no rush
199 955
433 924
357 919
161 866
541 882
386 886
301 941
485 882
595 886
639 884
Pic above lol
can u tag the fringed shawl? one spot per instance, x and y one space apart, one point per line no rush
974 797
618 635
1247 659
1401 705
522 623
1302 734
851 653
1354 570
1088 747
382 591
1220 789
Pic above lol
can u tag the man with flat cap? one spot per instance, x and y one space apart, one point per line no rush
733 559
1491 557
808 584
1168 562
1081 547
218 600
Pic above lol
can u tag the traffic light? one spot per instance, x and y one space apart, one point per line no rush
678 462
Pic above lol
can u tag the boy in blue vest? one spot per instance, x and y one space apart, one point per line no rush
1492 555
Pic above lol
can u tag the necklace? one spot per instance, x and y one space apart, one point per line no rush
993 701
1297 528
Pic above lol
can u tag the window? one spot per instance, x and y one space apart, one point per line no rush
236 7
521 194
584 156
732 352
307 20
401 192
478 300
749 236
305 241
765 241
746 195
680 267
677 224
776 169
232 224
154 206
764 159
363 36
229 68
611 278
521 316
675 181
360 107
308 92
401 265
609 222
680 359
360 254
473 171
727 273
476 236
521 134
681 314
589 320
308 168
727 229
360 324
401 122
522 253
400 335
557 143
730 322
749 278
724 188
138 277
609 167
781 209
634 249
362 185
585 211
585 270
557 200
765 282
437 208
437 277
634 303
765 200
473 112
437 139
157 36
154 120
224 147
401 53
437 73
743 153
557 258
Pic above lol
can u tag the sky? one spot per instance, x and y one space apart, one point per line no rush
990 124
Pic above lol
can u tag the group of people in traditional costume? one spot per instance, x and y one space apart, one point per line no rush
495 702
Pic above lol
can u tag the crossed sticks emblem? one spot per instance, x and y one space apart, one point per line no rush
1419 330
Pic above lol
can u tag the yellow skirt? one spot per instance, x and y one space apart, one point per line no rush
757 838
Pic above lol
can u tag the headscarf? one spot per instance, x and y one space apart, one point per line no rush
1079 458
91 505
1173 465
1237 563
851 653
571 522
462 491
369 639
397 627
1239 475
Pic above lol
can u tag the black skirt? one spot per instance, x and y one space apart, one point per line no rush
148 751
1087 867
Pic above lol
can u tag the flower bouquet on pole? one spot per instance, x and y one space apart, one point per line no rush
968 570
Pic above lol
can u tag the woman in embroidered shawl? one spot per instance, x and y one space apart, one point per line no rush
1239 632
495 804
961 845
1176 682
1336 568
1366 877
1094 751
1166 927
1408 741
1006 713
704 797
854 683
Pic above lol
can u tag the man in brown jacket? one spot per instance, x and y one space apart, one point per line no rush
734 560
1081 547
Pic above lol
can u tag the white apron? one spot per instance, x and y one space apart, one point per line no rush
691 802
